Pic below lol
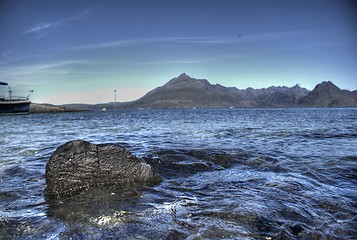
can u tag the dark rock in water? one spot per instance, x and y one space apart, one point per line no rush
79 165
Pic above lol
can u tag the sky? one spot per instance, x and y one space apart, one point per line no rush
80 51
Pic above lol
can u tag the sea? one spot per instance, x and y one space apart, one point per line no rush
227 174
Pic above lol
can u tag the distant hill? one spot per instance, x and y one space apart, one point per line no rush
186 92
271 96
326 94
81 106
49 108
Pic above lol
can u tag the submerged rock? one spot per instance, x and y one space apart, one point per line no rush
79 165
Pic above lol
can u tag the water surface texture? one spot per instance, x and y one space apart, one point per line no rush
228 174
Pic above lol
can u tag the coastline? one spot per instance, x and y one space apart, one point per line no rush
49 108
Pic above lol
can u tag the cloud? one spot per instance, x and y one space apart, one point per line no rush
175 40
134 42
43 71
194 61
171 62
7 53
207 40
43 29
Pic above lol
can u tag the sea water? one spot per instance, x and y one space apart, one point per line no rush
228 174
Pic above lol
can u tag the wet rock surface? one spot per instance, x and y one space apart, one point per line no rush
79 165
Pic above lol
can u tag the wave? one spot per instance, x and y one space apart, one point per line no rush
180 162
329 135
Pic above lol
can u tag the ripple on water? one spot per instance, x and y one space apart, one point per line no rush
235 174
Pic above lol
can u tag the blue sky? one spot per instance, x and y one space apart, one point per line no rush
80 51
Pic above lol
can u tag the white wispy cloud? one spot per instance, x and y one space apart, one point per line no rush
169 62
7 53
43 29
133 42
194 60
207 40
43 71
144 41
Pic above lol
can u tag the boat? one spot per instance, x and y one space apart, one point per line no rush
14 105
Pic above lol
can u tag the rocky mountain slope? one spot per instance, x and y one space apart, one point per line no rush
326 94
186 92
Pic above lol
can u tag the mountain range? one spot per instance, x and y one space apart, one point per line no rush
187 92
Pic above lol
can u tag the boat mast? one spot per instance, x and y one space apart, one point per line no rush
10 93
28 95
115 99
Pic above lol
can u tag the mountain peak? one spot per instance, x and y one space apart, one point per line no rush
181 79
327 94
327 86
183 76
327 83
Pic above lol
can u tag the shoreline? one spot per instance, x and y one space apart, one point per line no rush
49 108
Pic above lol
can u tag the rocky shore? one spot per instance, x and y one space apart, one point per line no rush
49 108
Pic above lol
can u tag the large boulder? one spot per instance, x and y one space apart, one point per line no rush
79 165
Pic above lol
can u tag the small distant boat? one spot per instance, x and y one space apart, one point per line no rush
14 105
